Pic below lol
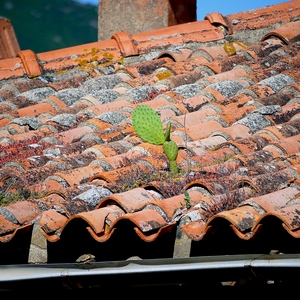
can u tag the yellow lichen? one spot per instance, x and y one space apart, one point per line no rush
242 44
164 74
230 49
94 58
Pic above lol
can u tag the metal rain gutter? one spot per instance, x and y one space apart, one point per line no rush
227 267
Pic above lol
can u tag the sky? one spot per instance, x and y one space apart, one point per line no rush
224 7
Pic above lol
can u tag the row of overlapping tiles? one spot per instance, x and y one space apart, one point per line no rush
248 111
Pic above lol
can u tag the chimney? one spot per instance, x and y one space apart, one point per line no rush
9 46
136 16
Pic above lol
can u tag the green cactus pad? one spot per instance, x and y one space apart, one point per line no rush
147 125
171 150
173 167
168 131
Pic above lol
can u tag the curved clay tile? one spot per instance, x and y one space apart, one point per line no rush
127 47
101 150
35 174
217 18
72 135
281 99
280 132
55 102
249 144
260 91
76 107
178 68
289 145
233 113
210 53
149 224
179 55
182 79
23 212
7 227
197 131
215 94
33 110
253 159
206 187
171 96
143 68
3 134
199 147
143 80
211 157
233 74
242 218
264 183
113 148
21 101
85 102
96 124
48 186
264 52
112 106
289 215
263 17
65 83
75 176
148 149
195 103
290 128
287 32
239 219
98 222
6 107
170 205
165 108
273 201
157 188
51 221
121 160
233 132
150 237
61 59
11 68
130 201
30 63
197 230
22 230
193 118
200 31
287 112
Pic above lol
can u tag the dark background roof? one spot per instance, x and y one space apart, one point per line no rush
50 25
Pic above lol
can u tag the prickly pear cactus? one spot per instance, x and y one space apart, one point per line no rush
171 151
147 125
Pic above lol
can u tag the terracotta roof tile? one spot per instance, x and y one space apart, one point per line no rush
72 163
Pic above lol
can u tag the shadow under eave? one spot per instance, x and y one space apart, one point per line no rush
122 244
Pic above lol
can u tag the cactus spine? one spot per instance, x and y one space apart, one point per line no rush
148 126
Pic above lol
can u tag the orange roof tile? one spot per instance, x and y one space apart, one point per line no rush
72 164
